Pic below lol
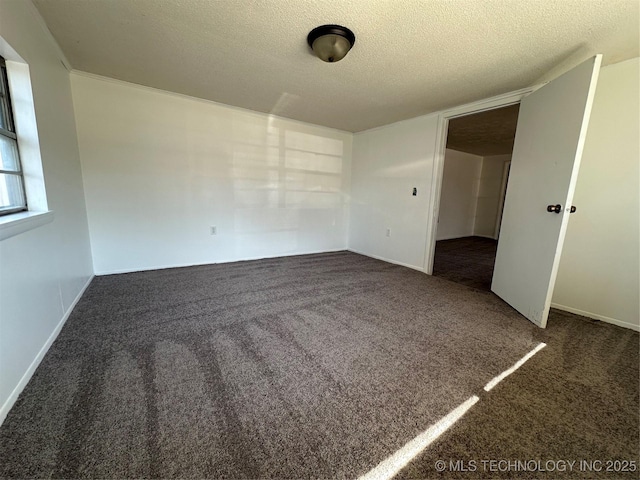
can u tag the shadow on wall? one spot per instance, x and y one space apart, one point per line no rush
284 188
172 181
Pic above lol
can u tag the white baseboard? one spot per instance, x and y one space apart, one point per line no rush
490 237
230 260
4 410
455 237
413 267
596 316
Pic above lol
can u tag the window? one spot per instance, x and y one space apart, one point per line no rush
12 195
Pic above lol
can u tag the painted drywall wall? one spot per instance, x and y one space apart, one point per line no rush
470 195
599 269
388 163
160 170
458 194
489 195
45 269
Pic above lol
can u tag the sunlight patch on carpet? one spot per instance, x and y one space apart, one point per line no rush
389 467
495 380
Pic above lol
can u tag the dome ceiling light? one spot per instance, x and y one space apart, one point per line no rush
331 43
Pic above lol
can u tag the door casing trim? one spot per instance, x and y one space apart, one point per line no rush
492 103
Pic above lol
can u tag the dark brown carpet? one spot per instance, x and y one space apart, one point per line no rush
468 261
315 366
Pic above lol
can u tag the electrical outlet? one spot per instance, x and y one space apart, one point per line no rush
388 232
213 230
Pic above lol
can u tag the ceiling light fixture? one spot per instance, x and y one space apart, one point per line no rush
331 43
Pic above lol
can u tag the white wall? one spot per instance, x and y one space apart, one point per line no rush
599 272
160 169
470 195
388 163
599 269
43 270
458 195
489 195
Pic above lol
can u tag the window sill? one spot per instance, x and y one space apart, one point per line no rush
17 223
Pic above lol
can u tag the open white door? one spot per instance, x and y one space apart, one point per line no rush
552 125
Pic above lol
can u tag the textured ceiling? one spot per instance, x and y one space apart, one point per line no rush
486 133
411 57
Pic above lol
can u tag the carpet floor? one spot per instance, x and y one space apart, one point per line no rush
468 261
316 366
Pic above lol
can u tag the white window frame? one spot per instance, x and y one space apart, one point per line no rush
9 135
26 130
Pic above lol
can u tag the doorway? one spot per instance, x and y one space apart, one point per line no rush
551 131
474 180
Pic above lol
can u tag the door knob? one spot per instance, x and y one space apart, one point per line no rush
554 208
